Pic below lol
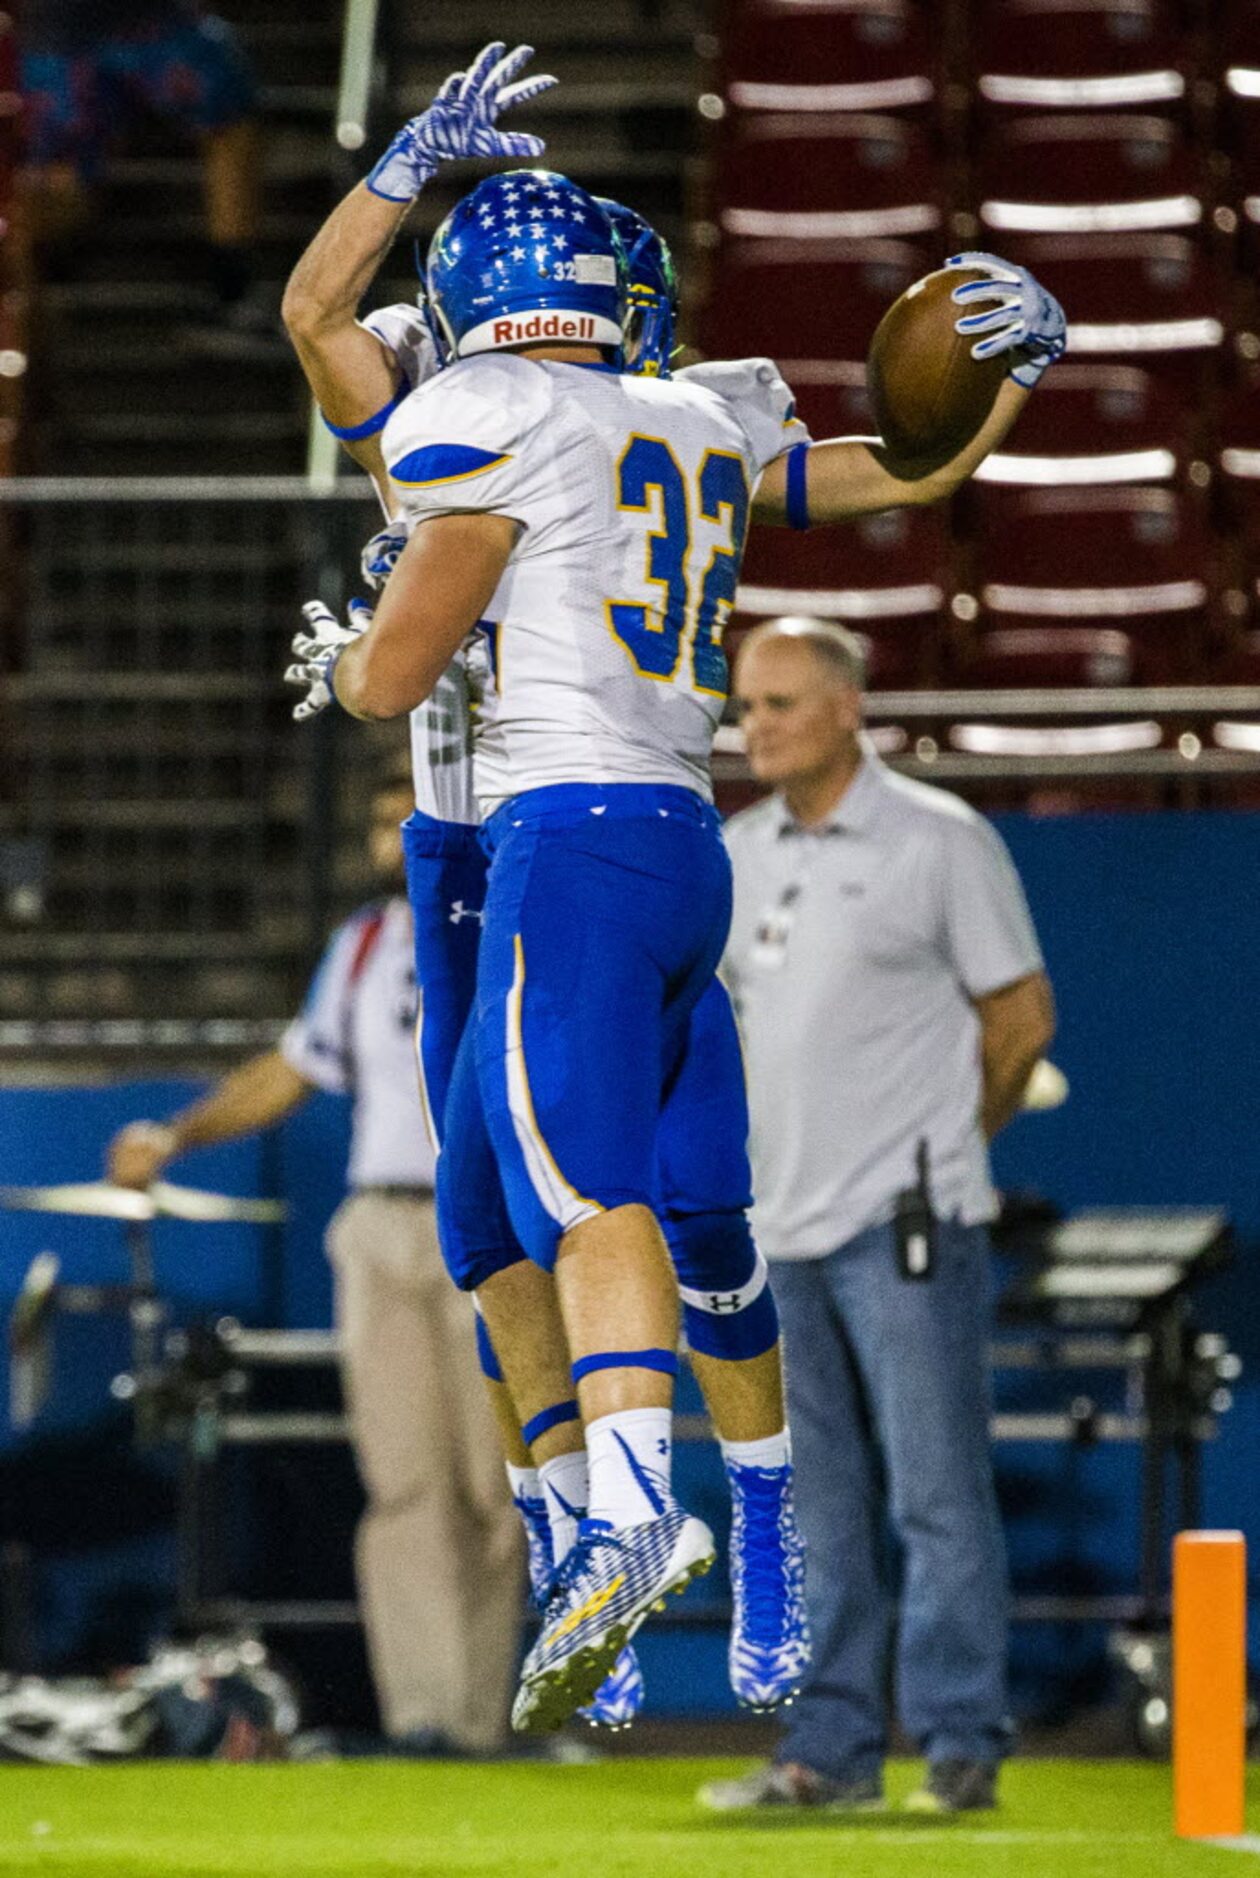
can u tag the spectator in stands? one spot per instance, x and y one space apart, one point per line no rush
438 1553
893 1005
86 64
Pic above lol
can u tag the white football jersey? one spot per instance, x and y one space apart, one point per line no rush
441 728
603 641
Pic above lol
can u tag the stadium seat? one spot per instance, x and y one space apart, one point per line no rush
1083 55
804 299
1037 657
901 655
831 55
831 396
885 575
1094 172
1091 424
856 176
1039 741
1138 560
1152 300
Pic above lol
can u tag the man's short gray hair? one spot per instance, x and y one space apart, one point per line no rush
842 651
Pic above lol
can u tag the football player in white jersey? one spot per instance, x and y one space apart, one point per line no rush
602 914
728 1308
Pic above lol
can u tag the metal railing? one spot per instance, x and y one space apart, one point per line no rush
166 867
354 91
165 845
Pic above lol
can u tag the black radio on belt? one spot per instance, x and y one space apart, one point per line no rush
914 1224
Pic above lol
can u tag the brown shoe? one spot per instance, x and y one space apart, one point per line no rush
956 1787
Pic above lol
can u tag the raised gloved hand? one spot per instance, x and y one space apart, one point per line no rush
461 123
318 651
380 556
1021 317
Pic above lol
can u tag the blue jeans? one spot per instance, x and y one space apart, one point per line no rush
888 1393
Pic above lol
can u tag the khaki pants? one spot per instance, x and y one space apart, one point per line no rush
438 1551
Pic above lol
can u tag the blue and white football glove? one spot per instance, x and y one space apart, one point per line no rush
380 556
318 651
461 123
1021 318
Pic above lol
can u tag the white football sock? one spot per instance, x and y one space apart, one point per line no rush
629 1455
563 1483
772 1451
523 1482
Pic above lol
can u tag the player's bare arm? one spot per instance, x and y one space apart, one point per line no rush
1005 312
352 373
851 476
441 587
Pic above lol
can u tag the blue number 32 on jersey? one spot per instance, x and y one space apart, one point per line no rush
657 638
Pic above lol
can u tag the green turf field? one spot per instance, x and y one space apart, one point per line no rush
1060 1819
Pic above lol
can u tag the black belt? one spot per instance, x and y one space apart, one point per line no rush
386 1192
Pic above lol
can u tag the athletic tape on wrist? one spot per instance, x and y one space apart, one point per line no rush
797 491
666 1361
353 433
547 1418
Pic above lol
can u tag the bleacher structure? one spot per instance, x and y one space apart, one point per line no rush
1080 626
168 861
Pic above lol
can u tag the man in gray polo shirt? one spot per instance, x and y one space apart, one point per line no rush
893 1004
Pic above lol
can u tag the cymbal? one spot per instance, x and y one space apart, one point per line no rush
101 1199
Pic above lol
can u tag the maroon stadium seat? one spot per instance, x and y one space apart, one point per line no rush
1238 27
1239 463
856 176
1033 657
831 55
1083 55
1148 300
901 654
831 396
1090 172
804 299
1095 423
1139 560
886 575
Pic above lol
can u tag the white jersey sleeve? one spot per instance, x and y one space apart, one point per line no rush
472 439
405 331
760 400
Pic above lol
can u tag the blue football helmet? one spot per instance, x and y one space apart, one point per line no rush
651 291
525 256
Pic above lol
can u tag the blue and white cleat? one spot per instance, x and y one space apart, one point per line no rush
769 1650
537 1526
617 1701
599 1597
620 1696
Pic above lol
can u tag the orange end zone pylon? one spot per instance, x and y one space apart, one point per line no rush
1209 1683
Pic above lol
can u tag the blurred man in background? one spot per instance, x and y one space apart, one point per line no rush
438 1552
893 1004
88 65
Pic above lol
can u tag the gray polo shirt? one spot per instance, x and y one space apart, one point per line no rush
855 952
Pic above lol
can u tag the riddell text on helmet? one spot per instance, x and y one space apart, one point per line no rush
544 326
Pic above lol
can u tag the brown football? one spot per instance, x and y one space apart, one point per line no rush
929 395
